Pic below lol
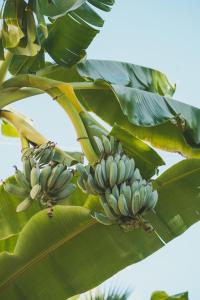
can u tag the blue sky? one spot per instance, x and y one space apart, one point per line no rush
163 35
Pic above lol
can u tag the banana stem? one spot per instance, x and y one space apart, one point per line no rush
69 102
24 129
24 142
4 65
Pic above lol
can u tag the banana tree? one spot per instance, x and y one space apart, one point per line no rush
67 225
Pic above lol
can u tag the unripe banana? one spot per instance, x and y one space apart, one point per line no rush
27 168
113 144
99 144
115 192
127 169
35 174
119 148
82 171
63 179
44 176
67 191
21 179
117 157
143 195
36 191
123 205
113 173
81 184
151 201
136 203
99 177
106 145
101 218
45 155
24 205
127 194
54 175
108 162
93 186
32 162
136 175
121 171
109 213
15 190
134 187
132 168
112 201
103 170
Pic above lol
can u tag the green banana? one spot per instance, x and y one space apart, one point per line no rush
127 194
106 145
93 186
113 173
117 157
127 169
121 171
68 190
112 144
63 179
99 177
57 170
134 187
44 159
112 201
35 174
136 175
119 148
24 205
123 205
21 179
15 190
108 162
101 218
108 212
99 144
151 201
136 203
103 170
81 184
115 191
27 168
36 191
82 171
44 176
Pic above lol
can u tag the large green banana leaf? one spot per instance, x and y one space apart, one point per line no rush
68 248
65 38
137 103
72 252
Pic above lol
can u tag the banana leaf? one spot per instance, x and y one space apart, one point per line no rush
161 295
68 252
8 130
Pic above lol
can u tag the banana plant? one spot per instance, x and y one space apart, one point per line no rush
68 224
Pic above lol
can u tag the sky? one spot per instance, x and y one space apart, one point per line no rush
163 35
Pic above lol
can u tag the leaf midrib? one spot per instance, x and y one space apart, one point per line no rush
42 255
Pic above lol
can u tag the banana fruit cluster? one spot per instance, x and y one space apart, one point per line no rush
41 180
124 195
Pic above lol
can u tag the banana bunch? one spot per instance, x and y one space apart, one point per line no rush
124 195
108 145
46 184
42 154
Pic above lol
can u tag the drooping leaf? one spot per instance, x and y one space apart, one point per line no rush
147 160
12 31
161 295
56 8
70 243
68 39
126 74
8 130
21 64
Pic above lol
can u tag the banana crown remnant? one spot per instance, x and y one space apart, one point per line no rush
42 179
124 195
